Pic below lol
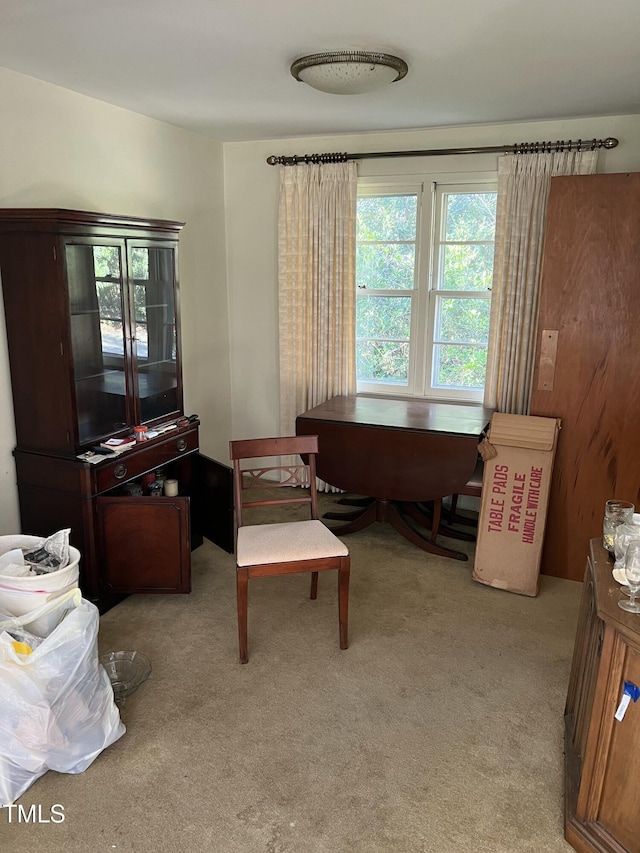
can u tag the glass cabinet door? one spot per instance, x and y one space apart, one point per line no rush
123 335
152 277
96 304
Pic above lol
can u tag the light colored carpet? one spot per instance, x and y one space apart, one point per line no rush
438 731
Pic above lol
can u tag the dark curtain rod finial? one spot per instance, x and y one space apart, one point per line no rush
517 148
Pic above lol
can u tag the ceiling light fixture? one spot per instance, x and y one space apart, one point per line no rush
349 72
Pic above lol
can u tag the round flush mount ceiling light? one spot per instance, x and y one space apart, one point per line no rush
349 72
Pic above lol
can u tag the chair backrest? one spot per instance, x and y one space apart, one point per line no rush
474 483
274 476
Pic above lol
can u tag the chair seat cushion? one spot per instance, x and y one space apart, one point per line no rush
286 542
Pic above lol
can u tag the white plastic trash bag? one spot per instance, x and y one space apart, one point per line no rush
57 710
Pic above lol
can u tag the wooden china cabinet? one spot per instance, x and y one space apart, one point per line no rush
93 329
602 753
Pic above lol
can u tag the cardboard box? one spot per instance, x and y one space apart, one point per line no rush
515 497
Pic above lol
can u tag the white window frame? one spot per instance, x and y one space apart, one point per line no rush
425 294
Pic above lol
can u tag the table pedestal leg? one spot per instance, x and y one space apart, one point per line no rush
363 503
416 536
356 520
391 512
423 514
355 501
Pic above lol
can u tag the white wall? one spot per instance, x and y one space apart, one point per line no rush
60 149
251 200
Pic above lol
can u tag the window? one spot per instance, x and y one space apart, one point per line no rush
424 268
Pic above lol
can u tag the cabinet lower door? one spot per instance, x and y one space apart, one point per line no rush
144 544
608 805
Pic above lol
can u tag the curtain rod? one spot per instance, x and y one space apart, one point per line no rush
517 148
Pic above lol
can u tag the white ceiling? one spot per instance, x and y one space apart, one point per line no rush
221 67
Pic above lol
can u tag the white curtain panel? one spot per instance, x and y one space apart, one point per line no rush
316 279
523 191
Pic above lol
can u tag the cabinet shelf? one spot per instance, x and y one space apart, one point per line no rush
113 382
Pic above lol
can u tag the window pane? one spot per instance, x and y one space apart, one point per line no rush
383 361
106 261
386 266
382 328
470 216
386 217
463 320
140 262
467 267
459 366
383 317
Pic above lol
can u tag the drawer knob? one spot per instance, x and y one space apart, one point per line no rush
120 471
181 445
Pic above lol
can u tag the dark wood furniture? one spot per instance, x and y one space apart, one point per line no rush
472 488
602 754
266 550
588 359
399 453
93 328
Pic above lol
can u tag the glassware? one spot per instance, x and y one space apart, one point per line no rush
624 533
616 512
632 574
126 671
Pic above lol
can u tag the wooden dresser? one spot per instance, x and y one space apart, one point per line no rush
602 754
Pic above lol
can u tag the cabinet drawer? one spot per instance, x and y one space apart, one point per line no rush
127 466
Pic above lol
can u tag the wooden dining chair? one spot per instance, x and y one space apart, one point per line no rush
473 488
280 548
